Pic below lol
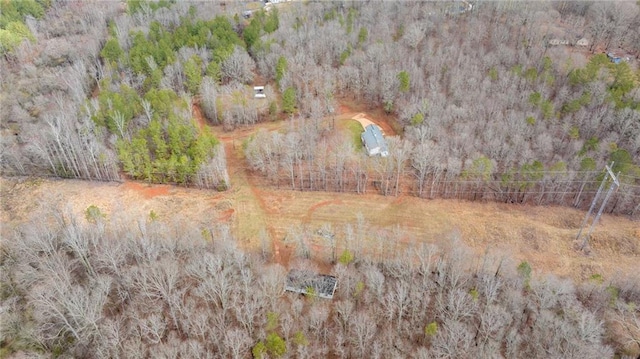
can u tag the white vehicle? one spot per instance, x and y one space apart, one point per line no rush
259 92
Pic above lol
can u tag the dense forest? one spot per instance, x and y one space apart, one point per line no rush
108 111
486 107
490 101
489 110
104 287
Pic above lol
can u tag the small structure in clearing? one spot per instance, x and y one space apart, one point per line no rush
307 282
556 42
582 42
374 141
618 56
457 9
259 92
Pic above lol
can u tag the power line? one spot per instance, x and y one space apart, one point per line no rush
629 176
629 185
614 185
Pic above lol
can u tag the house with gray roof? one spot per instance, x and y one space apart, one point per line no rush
374 142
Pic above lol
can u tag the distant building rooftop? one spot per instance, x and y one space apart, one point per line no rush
618 55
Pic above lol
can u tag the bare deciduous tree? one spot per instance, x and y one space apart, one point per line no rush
238 66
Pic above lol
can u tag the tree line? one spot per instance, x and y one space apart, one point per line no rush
104 285
45 84
308 159
523 108
137 119
494 107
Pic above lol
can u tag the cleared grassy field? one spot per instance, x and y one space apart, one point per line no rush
543 236
354 129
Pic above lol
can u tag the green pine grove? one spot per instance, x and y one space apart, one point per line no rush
12 16
169 147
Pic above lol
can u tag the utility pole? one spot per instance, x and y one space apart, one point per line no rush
614 186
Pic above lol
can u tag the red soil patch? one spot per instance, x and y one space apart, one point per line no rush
321 204
259 80
342 108
281 253
244 131
148 191
95 92
399 200
236 167
197 115
218 197
226 216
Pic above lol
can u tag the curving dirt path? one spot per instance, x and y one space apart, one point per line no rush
250 212
353 111
540 235
364 121
313 208
543 236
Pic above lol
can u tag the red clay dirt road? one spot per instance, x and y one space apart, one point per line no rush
543 236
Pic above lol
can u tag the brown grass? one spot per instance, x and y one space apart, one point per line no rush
543 236
527 233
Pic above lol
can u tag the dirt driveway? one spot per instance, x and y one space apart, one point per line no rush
364 121
540 235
